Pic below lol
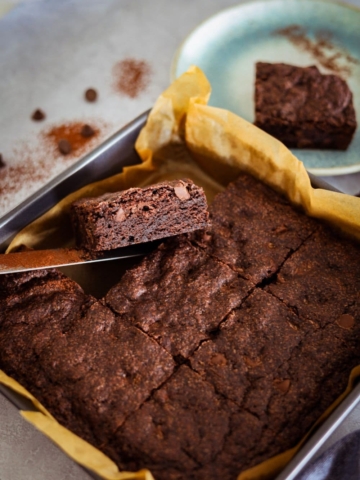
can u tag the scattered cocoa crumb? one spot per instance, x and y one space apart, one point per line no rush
131 76
321 48
38 115
87 131
29 167
31 171
2 163
64 146
70 132
91 95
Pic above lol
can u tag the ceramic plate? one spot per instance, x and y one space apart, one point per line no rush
300 32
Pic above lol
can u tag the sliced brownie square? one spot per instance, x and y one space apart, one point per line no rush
283 370
254 228
179 430
178 295
321 281
87 368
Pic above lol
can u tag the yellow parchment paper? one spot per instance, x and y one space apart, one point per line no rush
185 138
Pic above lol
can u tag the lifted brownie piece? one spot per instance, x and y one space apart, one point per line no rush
253 229
321 281
302 107
178 295
139 215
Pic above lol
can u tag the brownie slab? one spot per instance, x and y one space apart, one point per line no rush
90 371
139 215
321 281
302 107
178 295
253 229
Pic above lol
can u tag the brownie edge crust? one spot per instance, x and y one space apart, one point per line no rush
302 107
139 215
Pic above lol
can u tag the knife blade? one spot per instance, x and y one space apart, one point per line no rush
63 257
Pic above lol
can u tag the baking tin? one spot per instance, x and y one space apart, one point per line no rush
108 159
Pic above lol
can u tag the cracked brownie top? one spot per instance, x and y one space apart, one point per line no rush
254 229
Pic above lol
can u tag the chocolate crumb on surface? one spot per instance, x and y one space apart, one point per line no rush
71 131
2 163
91 95
38 115
64 146
87 131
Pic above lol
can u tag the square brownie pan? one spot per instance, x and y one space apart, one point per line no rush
108 159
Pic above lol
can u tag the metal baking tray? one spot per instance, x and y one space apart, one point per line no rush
108 159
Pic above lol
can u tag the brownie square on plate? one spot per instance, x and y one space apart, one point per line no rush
302 107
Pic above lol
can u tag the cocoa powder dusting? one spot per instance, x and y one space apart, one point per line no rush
40 258
321 48
131 76
28 167
71 133
29 172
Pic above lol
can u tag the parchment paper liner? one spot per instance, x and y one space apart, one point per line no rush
184 137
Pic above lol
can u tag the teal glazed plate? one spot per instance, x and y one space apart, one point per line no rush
299 32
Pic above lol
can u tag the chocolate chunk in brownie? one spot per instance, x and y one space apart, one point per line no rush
254 229
63 346
179 430
302 107
178 295
139 215
321 281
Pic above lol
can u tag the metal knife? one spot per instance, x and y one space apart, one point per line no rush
62 257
